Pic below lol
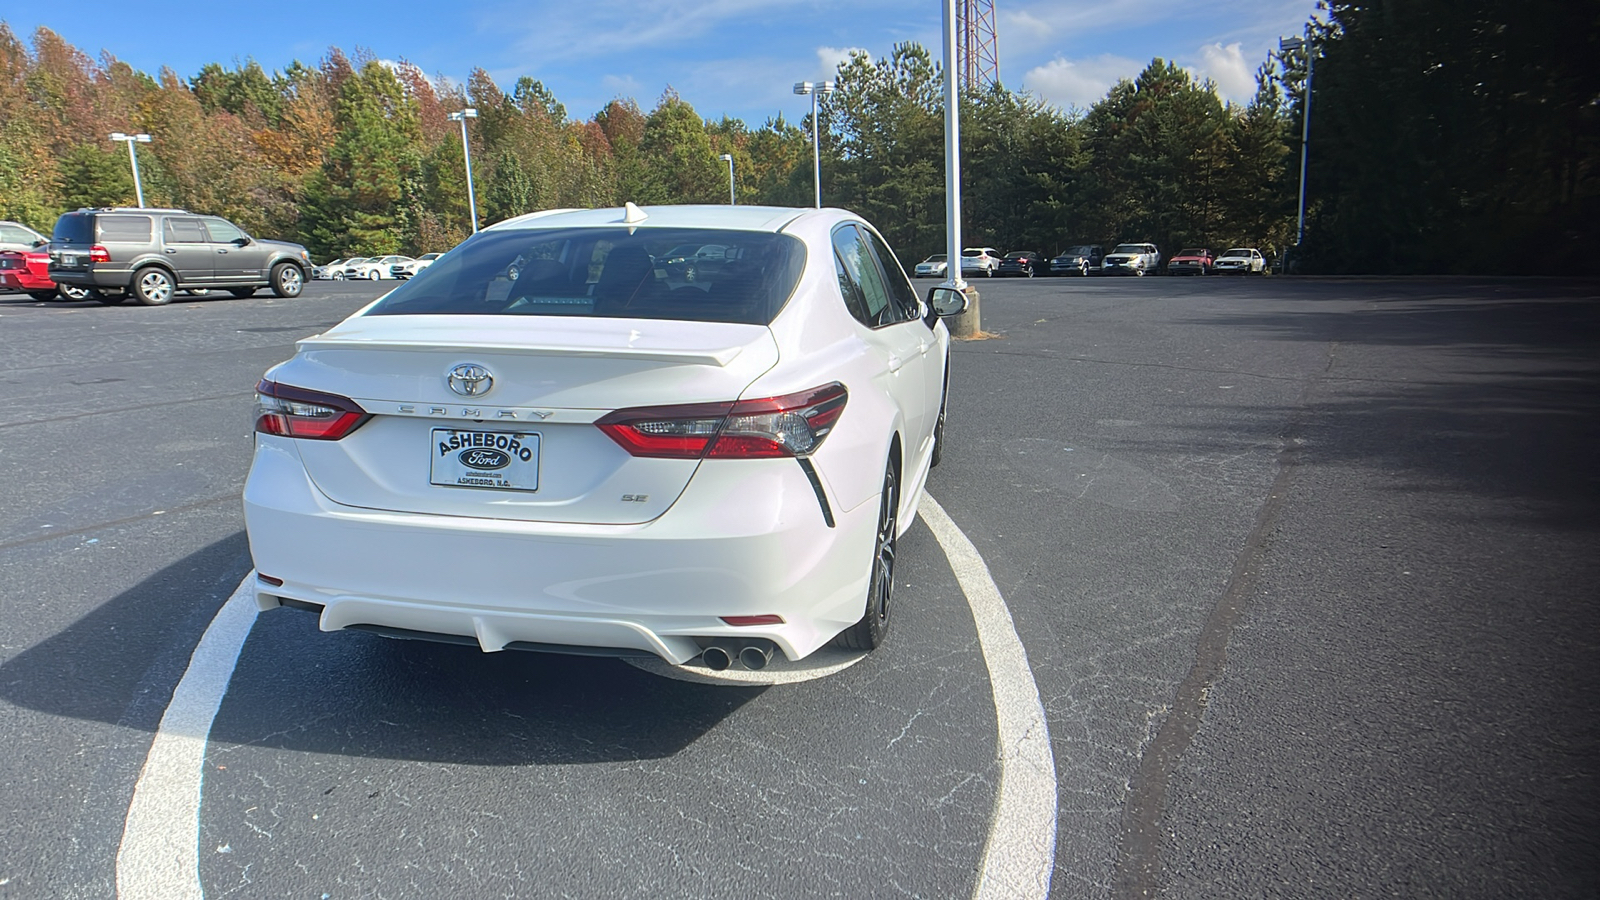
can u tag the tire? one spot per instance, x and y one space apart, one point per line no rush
869 633
44 295
373 275
1028 270
1139 271
73 292
1083 271
938 427
154 286
989 273
287 280
242 293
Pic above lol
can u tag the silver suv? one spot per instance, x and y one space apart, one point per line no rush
1132 259
152 254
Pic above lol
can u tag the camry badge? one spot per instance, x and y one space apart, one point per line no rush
470 380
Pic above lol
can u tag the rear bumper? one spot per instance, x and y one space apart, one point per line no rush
745 538
23 280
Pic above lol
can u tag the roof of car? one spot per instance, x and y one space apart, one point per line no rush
737 218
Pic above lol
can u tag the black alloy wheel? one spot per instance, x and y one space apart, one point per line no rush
869 633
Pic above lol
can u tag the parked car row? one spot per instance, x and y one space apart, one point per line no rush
373 268
1137 259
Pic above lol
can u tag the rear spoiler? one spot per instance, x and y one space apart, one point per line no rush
709 356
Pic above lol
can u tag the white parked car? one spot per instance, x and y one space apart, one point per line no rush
373 268
983 261
1131 259
329 270
1241 261
408 269
600 456
934 266
19 237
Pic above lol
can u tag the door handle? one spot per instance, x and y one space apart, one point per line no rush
896 363
172 250
223 252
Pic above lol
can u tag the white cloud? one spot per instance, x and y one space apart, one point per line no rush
1079 83
1226 66
622 86
830 58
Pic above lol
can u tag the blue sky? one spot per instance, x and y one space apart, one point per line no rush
725 57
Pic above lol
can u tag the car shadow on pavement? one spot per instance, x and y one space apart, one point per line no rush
352 693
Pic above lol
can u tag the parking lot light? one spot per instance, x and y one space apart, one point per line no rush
133 159
732 201
814 89
466 153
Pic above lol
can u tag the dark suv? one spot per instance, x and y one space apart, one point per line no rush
153 253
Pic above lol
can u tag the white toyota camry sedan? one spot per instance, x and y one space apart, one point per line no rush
551 439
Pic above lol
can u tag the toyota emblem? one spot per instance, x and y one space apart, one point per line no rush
470 380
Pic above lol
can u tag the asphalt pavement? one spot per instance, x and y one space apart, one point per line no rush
1305 570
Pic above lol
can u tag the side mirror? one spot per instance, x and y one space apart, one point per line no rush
40 243
241 241
947 301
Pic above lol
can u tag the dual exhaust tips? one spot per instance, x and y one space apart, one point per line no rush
753 654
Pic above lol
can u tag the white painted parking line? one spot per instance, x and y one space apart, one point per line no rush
1019 856
159 858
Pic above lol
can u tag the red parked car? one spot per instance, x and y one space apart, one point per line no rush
26 270
1191 261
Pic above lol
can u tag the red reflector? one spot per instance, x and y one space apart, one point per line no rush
289 411
275 582
754 620
98 253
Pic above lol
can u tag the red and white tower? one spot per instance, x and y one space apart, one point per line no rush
977 49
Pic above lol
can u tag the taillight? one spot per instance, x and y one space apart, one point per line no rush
98 253
772 427
298 413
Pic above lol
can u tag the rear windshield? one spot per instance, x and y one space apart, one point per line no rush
74 228
124 228
697 275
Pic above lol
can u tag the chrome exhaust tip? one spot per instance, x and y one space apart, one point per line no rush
755 656
716 658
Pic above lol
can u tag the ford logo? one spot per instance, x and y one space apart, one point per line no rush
483 458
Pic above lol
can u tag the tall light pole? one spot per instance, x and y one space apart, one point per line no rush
466 153
815 89
952 151
133 158
732 201
1289 45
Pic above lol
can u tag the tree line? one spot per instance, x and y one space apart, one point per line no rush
354 156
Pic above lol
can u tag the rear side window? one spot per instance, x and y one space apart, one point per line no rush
124 228
690 274
74 228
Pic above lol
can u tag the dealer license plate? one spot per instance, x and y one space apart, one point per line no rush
502 460
69 259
